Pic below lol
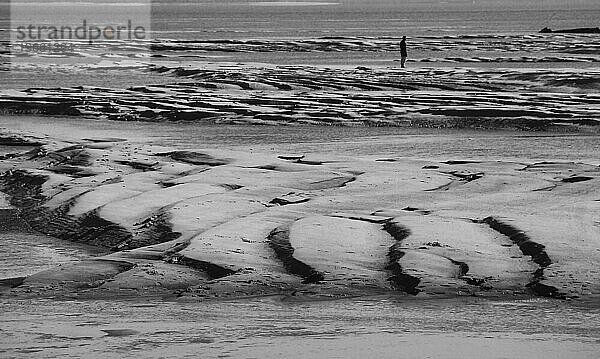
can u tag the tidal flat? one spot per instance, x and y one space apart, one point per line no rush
345 240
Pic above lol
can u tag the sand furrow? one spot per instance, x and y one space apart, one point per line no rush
227 223
279 240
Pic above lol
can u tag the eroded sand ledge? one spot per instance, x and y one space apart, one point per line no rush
215 223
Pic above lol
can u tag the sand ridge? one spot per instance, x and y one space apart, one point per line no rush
214 223
255 93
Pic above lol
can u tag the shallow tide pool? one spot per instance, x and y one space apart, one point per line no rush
23 254
273 327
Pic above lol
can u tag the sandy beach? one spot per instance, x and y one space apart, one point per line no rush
218 222
263 179
281 231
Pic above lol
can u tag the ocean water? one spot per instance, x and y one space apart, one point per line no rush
273 19
429 25
189 19
359 32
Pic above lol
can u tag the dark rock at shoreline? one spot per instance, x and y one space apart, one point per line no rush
17 141
194 158
581 30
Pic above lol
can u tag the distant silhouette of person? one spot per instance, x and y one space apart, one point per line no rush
403 53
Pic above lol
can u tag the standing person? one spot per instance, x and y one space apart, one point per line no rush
403 53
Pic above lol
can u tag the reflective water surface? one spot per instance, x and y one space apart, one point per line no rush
350 141
273 327
23 254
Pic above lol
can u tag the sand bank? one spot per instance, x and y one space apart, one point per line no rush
215 223
255 93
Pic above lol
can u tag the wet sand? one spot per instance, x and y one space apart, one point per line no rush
271 327
230 222
255 93
372 216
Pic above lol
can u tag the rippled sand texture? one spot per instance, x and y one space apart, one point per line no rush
534 81
230 93
217 223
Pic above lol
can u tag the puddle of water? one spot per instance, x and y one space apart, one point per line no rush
382 141
271 328
23 254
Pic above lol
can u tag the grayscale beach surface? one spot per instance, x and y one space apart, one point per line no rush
264 180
